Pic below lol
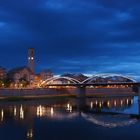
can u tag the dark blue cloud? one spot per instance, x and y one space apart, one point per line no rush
72 35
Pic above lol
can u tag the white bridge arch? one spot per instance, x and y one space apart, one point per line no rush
87 81
90 79
51 80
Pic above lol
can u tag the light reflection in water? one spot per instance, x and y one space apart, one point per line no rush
30 134
39 111
121 102
52 111
100 105
2 115
96 102
44 111
65 110
68 110
21 112
91 105
69 107
108 104
15 111
115 103
102 102
127 101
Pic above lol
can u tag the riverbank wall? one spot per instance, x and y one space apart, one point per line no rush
64 91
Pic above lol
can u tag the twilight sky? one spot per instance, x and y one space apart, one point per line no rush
88 36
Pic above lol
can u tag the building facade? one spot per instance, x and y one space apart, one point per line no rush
21 75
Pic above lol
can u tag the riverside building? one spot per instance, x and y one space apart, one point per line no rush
27 74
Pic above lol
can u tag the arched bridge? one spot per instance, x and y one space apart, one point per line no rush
60 81
101 80
109 78
95 80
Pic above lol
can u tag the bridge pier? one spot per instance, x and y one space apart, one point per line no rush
81 105
81 91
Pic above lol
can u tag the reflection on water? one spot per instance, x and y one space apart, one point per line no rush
111 103
30 134
69 107
21 113
116 120
15 111
91 110
52 112
2 115
65 108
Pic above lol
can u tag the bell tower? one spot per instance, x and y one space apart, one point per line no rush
31 59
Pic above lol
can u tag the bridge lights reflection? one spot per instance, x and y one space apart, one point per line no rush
121 102
96 103
111 103
108 104
127 101
100 104
115 103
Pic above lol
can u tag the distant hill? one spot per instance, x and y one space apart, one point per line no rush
80 77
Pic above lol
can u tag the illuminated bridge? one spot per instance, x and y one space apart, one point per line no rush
96 81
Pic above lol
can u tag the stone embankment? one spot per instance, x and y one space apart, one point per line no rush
4 93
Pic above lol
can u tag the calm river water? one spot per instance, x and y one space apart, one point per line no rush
70 119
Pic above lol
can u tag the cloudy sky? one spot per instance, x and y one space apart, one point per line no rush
88 36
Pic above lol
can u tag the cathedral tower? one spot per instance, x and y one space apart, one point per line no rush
31 59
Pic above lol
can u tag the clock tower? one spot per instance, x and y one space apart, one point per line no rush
31 59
